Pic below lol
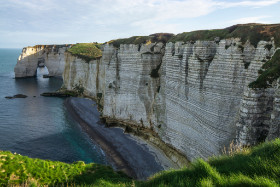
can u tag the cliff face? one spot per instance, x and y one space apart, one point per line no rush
194 95
51 56
79 73
205 92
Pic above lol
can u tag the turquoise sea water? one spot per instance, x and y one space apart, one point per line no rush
38 126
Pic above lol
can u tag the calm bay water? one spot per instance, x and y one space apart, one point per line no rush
39 127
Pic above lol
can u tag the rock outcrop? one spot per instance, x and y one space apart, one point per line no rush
194 95
51 56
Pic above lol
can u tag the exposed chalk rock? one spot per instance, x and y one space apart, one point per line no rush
51 56
194 95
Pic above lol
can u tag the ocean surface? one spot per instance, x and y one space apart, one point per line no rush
39 127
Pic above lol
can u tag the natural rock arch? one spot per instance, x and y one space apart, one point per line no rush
51 56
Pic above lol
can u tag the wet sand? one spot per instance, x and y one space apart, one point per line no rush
125 152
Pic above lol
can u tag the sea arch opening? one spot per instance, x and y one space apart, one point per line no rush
42 70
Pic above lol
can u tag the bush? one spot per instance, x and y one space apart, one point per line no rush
79 89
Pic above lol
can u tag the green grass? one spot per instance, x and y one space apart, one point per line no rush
153 38
199 35
246 32
269 72
16 169
86 51
258 166
252 32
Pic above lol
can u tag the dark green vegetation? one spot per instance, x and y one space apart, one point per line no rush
252 32
269 72
79 89
154 72
153 38
86 51
17 169
258 166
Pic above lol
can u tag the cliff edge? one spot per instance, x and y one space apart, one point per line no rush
191 89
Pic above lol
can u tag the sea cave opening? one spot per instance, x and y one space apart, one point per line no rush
42 70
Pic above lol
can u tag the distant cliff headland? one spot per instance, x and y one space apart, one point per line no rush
190 94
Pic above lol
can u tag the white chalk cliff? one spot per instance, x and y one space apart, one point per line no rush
194 95
51 56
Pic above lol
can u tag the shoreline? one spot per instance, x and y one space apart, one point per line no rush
121 164
132 155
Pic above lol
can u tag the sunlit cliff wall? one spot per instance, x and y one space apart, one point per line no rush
194 95
52 56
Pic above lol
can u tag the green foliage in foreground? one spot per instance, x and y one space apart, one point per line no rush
269 72
17 169
258 166
86 51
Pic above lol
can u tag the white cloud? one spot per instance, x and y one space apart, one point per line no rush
138 13
116 18
156 13
30 5
254 4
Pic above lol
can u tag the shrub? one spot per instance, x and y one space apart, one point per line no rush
154 73
79 89
269 73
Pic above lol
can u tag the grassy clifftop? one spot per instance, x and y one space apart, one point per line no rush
258 166
246 32
252 32
86 51
158 37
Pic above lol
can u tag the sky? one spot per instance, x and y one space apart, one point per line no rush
31 22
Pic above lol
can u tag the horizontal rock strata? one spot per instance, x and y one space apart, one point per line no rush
51 56
193 95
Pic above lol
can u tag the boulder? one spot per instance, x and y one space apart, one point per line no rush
16 96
